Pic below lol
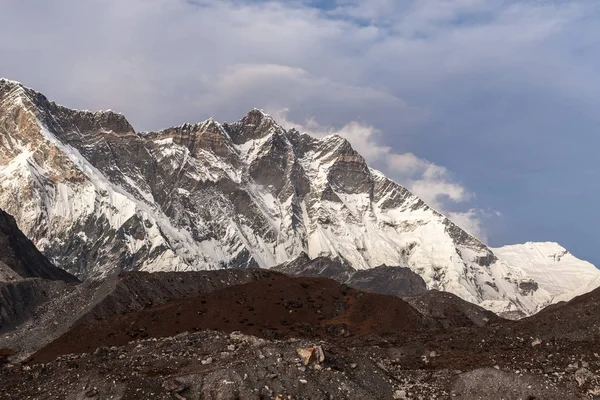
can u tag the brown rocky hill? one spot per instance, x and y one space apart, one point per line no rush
275 308
30 310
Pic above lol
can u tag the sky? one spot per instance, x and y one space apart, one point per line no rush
487 109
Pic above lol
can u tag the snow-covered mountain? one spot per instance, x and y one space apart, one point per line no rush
553 268
95 197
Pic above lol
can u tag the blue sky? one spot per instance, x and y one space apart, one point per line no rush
488 109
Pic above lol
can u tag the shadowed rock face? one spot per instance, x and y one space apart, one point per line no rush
20 255
338 270
27 278
19 300
452 311
21 267
394 281
447 309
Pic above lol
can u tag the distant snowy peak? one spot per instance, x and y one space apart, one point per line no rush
541 252
554 268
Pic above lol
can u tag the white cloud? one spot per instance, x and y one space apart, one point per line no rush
275 86
432 182
153 59
472 222
164 61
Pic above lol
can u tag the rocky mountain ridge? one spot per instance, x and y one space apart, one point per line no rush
393 281
97 198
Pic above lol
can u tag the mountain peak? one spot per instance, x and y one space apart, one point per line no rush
255 124
541 248
13 93
104 121
549 264
8 82
257 118
16 86
547 245
213 125
257 113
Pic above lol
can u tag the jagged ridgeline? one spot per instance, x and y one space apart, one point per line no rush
97 197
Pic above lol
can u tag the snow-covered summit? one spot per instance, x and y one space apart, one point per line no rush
553 267
9 81
13 84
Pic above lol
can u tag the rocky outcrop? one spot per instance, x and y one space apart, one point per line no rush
451 311
7 274
394 281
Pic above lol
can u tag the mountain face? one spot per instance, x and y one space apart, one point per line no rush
96 197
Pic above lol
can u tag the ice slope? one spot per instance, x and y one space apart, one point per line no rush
553 268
